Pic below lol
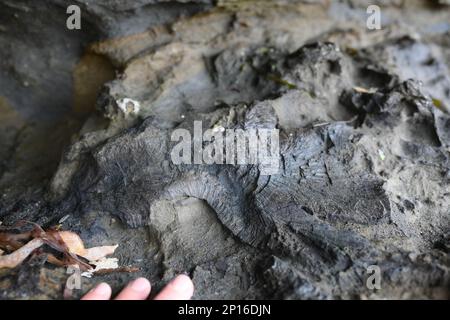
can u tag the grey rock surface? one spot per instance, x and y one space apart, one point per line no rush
364 150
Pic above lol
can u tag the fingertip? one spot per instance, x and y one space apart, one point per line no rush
185 285
180 288
141 285
138 289
101 292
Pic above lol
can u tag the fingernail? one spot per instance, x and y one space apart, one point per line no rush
140 285
101 289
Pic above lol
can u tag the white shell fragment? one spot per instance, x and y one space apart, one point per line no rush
128 106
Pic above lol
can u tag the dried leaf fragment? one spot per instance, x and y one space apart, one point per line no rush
364 90
98 253
438 104
105 263
11 241
73 242
17 257
67 242
76 246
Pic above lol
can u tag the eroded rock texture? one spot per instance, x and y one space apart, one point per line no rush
364 152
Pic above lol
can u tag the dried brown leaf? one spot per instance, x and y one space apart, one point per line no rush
11 241
66 242
117 270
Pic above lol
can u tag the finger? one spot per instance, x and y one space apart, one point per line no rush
100 292
180 288
139 289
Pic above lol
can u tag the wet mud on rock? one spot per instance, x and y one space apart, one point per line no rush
364 126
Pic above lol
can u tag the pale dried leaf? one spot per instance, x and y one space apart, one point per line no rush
17 257
364 90
73 242
98 253
76 246
103 264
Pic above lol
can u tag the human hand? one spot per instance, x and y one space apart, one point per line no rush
180 288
